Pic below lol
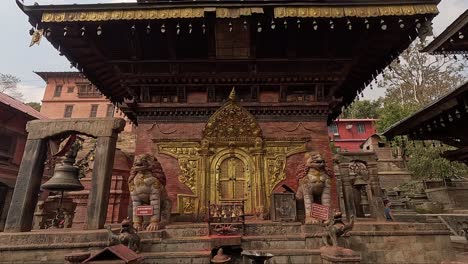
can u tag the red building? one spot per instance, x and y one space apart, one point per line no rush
349 134
71 95
13 118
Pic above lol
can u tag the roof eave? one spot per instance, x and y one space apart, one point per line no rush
448 33
411 121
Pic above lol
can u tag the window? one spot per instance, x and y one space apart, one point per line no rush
110 111
333 128
87 90
68 111
7 147
361 129
58 91
93 112
70 89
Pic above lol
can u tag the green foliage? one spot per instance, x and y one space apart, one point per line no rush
413 81
35 105
363 109
392 113
426 163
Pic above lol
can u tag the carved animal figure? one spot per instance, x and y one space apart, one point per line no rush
314 184
335 228
147 187
128 236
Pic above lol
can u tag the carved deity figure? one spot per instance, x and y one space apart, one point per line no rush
335 228
147 183
127 237
314 183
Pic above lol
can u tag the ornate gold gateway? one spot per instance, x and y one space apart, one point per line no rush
232 162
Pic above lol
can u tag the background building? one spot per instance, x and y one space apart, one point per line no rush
71 95
349 134
13 118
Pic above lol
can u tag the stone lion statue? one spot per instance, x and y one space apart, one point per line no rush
314 183
147 183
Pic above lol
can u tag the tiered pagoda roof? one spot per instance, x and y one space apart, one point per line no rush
334 45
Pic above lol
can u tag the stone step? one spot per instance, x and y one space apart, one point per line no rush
395 226
273 242
292 256
186 230
272 228
179 244
187 257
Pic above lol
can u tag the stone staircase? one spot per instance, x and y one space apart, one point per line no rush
179 243
190 243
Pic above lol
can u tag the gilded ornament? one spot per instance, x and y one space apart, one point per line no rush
346 11
188 169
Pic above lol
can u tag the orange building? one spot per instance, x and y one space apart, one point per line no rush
13 118
71 95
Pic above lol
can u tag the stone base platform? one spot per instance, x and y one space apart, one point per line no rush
289 242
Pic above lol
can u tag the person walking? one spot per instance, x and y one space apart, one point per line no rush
388 211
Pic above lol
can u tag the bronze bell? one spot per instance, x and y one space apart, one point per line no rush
65 178
359 182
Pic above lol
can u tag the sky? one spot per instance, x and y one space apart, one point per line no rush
17 58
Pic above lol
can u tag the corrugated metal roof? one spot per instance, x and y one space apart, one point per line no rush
20 106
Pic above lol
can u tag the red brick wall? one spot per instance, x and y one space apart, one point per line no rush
316 132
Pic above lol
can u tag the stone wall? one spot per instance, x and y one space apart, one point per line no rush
415 247
450 197
383 243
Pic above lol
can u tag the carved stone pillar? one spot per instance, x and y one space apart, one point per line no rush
24 200
347 190
101 181
28 182
376 195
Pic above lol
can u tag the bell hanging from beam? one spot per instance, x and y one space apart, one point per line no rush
359 182
66 175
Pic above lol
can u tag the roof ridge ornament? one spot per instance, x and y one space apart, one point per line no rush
232 95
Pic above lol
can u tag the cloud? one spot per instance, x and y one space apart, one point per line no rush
31 93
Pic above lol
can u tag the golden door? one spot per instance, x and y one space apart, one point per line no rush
232 179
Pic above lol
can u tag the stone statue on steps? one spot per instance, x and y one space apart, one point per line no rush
147 183
335 228
127 237
314 183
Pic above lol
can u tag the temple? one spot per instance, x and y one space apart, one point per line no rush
172 68
232 102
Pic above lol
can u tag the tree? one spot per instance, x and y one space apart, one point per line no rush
413 81
425 162
363 109
391 113
35 105
418 78
9 85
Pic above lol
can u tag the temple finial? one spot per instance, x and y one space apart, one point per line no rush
232 95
